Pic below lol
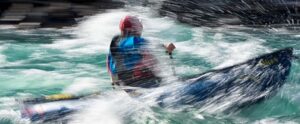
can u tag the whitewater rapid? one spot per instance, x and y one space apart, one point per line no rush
72 60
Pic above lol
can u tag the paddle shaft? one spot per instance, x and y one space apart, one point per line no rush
172 64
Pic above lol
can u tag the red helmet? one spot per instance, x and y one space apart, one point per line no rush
131 24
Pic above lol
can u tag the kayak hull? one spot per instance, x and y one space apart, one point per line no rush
253 80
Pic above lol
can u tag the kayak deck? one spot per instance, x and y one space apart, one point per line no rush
254 79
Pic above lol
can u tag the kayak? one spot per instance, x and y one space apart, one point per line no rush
53 107
253 80
51 111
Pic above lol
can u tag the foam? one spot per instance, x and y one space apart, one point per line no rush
94 34
273 121
184 69
35 78
220 52
13 116
297 36
113 108
7 102
81 85
2 57
199 116
36 73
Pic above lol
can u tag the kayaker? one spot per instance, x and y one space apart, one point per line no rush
130 62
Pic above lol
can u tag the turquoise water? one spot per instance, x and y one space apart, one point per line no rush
48 61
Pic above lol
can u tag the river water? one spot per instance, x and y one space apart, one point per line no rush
71 60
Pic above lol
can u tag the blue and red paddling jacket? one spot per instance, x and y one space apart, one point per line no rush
129 60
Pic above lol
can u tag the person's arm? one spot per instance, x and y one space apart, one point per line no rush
112 59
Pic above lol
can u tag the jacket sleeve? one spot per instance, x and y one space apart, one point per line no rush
111 62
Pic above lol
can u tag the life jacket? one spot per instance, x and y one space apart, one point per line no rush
135 58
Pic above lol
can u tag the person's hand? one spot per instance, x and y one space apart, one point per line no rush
170 48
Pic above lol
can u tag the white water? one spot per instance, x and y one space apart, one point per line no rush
93 36
114 108
2 57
